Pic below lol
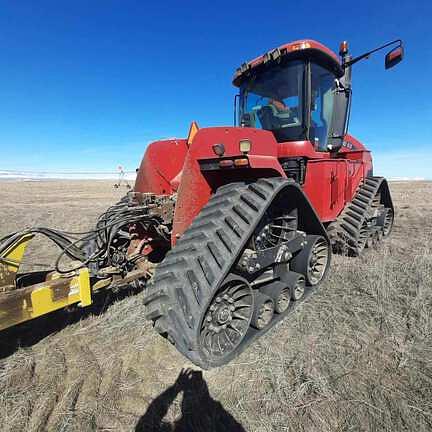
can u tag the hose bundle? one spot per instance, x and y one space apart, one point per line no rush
95 246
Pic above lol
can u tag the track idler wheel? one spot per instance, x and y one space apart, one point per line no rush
313 260
263 312
227 318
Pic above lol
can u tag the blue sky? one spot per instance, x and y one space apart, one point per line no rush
85 85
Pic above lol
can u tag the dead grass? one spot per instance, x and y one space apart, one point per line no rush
358 356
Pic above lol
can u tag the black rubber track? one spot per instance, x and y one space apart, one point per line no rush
190 275
350 222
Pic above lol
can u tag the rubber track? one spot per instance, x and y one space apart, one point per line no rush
189 276
353 216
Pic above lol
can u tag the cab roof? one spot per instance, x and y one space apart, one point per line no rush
300 49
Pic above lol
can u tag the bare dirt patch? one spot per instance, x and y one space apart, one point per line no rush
357 356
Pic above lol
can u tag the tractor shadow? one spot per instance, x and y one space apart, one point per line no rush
29 333
199 411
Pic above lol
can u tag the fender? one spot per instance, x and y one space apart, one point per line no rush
196 185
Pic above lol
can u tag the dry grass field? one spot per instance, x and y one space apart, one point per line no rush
356 357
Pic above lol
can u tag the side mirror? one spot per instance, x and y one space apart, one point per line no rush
394 57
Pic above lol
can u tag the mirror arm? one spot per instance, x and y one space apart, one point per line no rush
366 55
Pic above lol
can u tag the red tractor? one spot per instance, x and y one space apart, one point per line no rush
238 223
259 207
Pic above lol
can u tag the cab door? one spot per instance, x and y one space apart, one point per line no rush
322 91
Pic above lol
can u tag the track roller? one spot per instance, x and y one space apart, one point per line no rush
281 295
296 284
263 312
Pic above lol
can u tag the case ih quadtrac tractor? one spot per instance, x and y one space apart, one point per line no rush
230 229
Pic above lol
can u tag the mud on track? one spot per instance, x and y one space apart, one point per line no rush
356 357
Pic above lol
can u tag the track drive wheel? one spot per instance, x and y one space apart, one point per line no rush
313 260
227 319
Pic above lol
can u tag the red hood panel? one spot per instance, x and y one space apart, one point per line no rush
263 142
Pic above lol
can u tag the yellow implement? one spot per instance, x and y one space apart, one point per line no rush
55 291
10 260
21 304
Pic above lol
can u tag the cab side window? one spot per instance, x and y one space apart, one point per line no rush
322 98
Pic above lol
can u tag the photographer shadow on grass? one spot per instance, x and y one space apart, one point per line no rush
199 411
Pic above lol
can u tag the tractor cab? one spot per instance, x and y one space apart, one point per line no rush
291 92
301 92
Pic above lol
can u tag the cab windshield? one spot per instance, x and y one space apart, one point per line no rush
274 101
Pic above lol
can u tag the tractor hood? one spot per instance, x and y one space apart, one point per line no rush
203 173
221 142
